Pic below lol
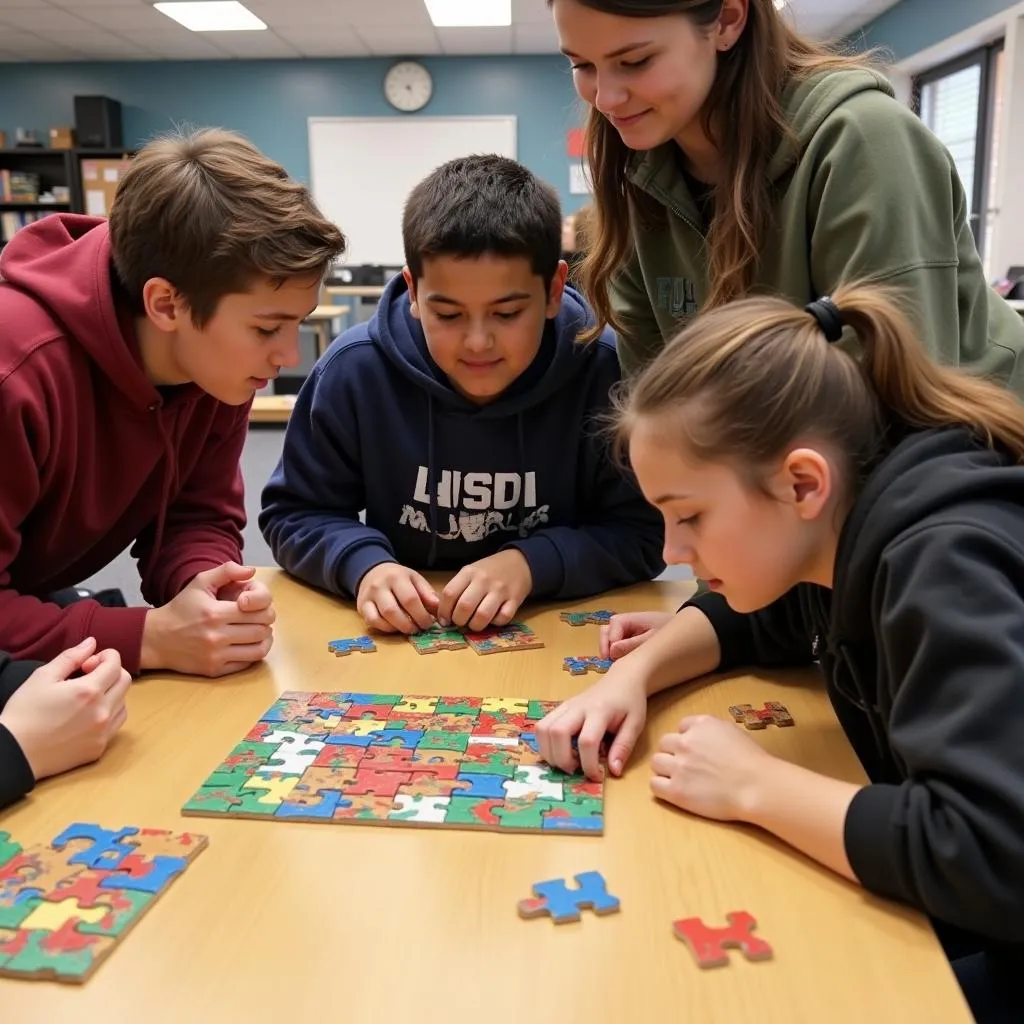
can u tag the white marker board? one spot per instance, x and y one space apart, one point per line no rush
362 170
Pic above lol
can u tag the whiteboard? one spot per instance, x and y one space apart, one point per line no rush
362 170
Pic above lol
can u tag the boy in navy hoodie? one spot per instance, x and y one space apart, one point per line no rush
463 419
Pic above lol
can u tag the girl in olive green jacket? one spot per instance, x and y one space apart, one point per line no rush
729 155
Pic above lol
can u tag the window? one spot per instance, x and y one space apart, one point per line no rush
961 103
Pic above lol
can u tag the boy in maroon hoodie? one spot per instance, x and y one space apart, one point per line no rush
130 351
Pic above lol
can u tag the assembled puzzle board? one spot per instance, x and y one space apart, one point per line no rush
388 759
64 906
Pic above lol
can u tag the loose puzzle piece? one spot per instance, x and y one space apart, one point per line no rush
497 639
359 644
773 713
64 906
598 618
709 945
586 663
437 638
564 904
437 761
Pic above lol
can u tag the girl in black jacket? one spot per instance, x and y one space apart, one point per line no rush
50 722
867 513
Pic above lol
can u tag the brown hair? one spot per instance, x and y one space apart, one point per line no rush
211 214
747 380
743 115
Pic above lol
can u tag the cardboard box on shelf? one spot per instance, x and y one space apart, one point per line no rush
100 179
62 138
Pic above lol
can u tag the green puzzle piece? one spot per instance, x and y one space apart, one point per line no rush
524 813
380 698
8 848
12 916
213 800
455 708
122 916
444 741
496 764
537 709
32 959
249 803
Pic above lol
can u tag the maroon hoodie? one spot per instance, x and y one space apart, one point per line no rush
92 456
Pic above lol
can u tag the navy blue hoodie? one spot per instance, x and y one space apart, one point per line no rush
445 482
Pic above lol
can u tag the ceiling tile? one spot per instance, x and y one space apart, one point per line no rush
127 19
535 37
4 4
101 45
311 43
172 46
252 45
31 47
42 20
530 12
475 40
78 5
395 40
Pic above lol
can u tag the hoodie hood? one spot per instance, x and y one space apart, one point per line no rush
925 475
400 336
64 262
807 104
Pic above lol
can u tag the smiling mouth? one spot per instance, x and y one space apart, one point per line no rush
625 121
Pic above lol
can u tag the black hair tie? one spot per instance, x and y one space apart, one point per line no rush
830 320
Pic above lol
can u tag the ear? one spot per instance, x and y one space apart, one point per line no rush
410 283
805 481
163 304
731 23
556 290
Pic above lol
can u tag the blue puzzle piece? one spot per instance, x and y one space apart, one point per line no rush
348 740
330 802
387 737
572 824
564 904
107 850
486 786
358 644
161 871
586 663
530 740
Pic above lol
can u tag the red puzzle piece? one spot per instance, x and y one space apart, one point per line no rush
709 945
376 783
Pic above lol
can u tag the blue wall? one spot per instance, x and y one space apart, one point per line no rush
914 25
269 101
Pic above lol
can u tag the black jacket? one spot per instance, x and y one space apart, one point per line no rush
16 777
921 642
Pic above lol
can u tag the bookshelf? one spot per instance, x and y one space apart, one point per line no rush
54 168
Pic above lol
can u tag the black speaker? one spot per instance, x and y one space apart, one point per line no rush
98 122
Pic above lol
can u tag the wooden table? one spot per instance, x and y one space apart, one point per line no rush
271 408
289 922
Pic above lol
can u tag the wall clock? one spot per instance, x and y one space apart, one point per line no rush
408 86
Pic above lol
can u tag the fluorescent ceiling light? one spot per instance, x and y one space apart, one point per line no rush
212 15
469 13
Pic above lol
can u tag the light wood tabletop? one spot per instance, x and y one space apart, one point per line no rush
290 921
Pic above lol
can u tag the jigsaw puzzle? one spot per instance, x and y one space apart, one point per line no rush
564 904
437 638
66 905
773 713
599 618
342 648
710 945
388 759
493 640
585 663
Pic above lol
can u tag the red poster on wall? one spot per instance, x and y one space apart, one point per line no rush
574 142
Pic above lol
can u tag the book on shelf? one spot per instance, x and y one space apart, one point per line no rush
12 221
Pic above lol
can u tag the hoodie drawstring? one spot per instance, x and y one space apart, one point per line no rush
431 504
170 482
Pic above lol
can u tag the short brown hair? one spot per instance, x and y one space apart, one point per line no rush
210 213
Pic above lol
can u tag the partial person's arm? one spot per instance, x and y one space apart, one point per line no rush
311 505
908 227
16 778
204 522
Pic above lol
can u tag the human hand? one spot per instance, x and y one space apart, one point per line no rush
616 703
710 768
487 592
626 632
201 633
62 723
393 598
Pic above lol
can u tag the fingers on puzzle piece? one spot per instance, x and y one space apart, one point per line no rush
773 713
564 904
346 645
710 946
437 638
598 618
583 664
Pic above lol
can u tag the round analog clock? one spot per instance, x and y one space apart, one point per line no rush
408 86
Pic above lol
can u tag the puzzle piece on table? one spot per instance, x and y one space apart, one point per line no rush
585 663
401 760
773 713
497 639
564 904
65 905
347 645
437 638
597 618
710 945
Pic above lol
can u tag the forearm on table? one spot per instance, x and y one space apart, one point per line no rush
685 648
804 809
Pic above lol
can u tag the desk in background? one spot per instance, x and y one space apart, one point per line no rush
280 921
